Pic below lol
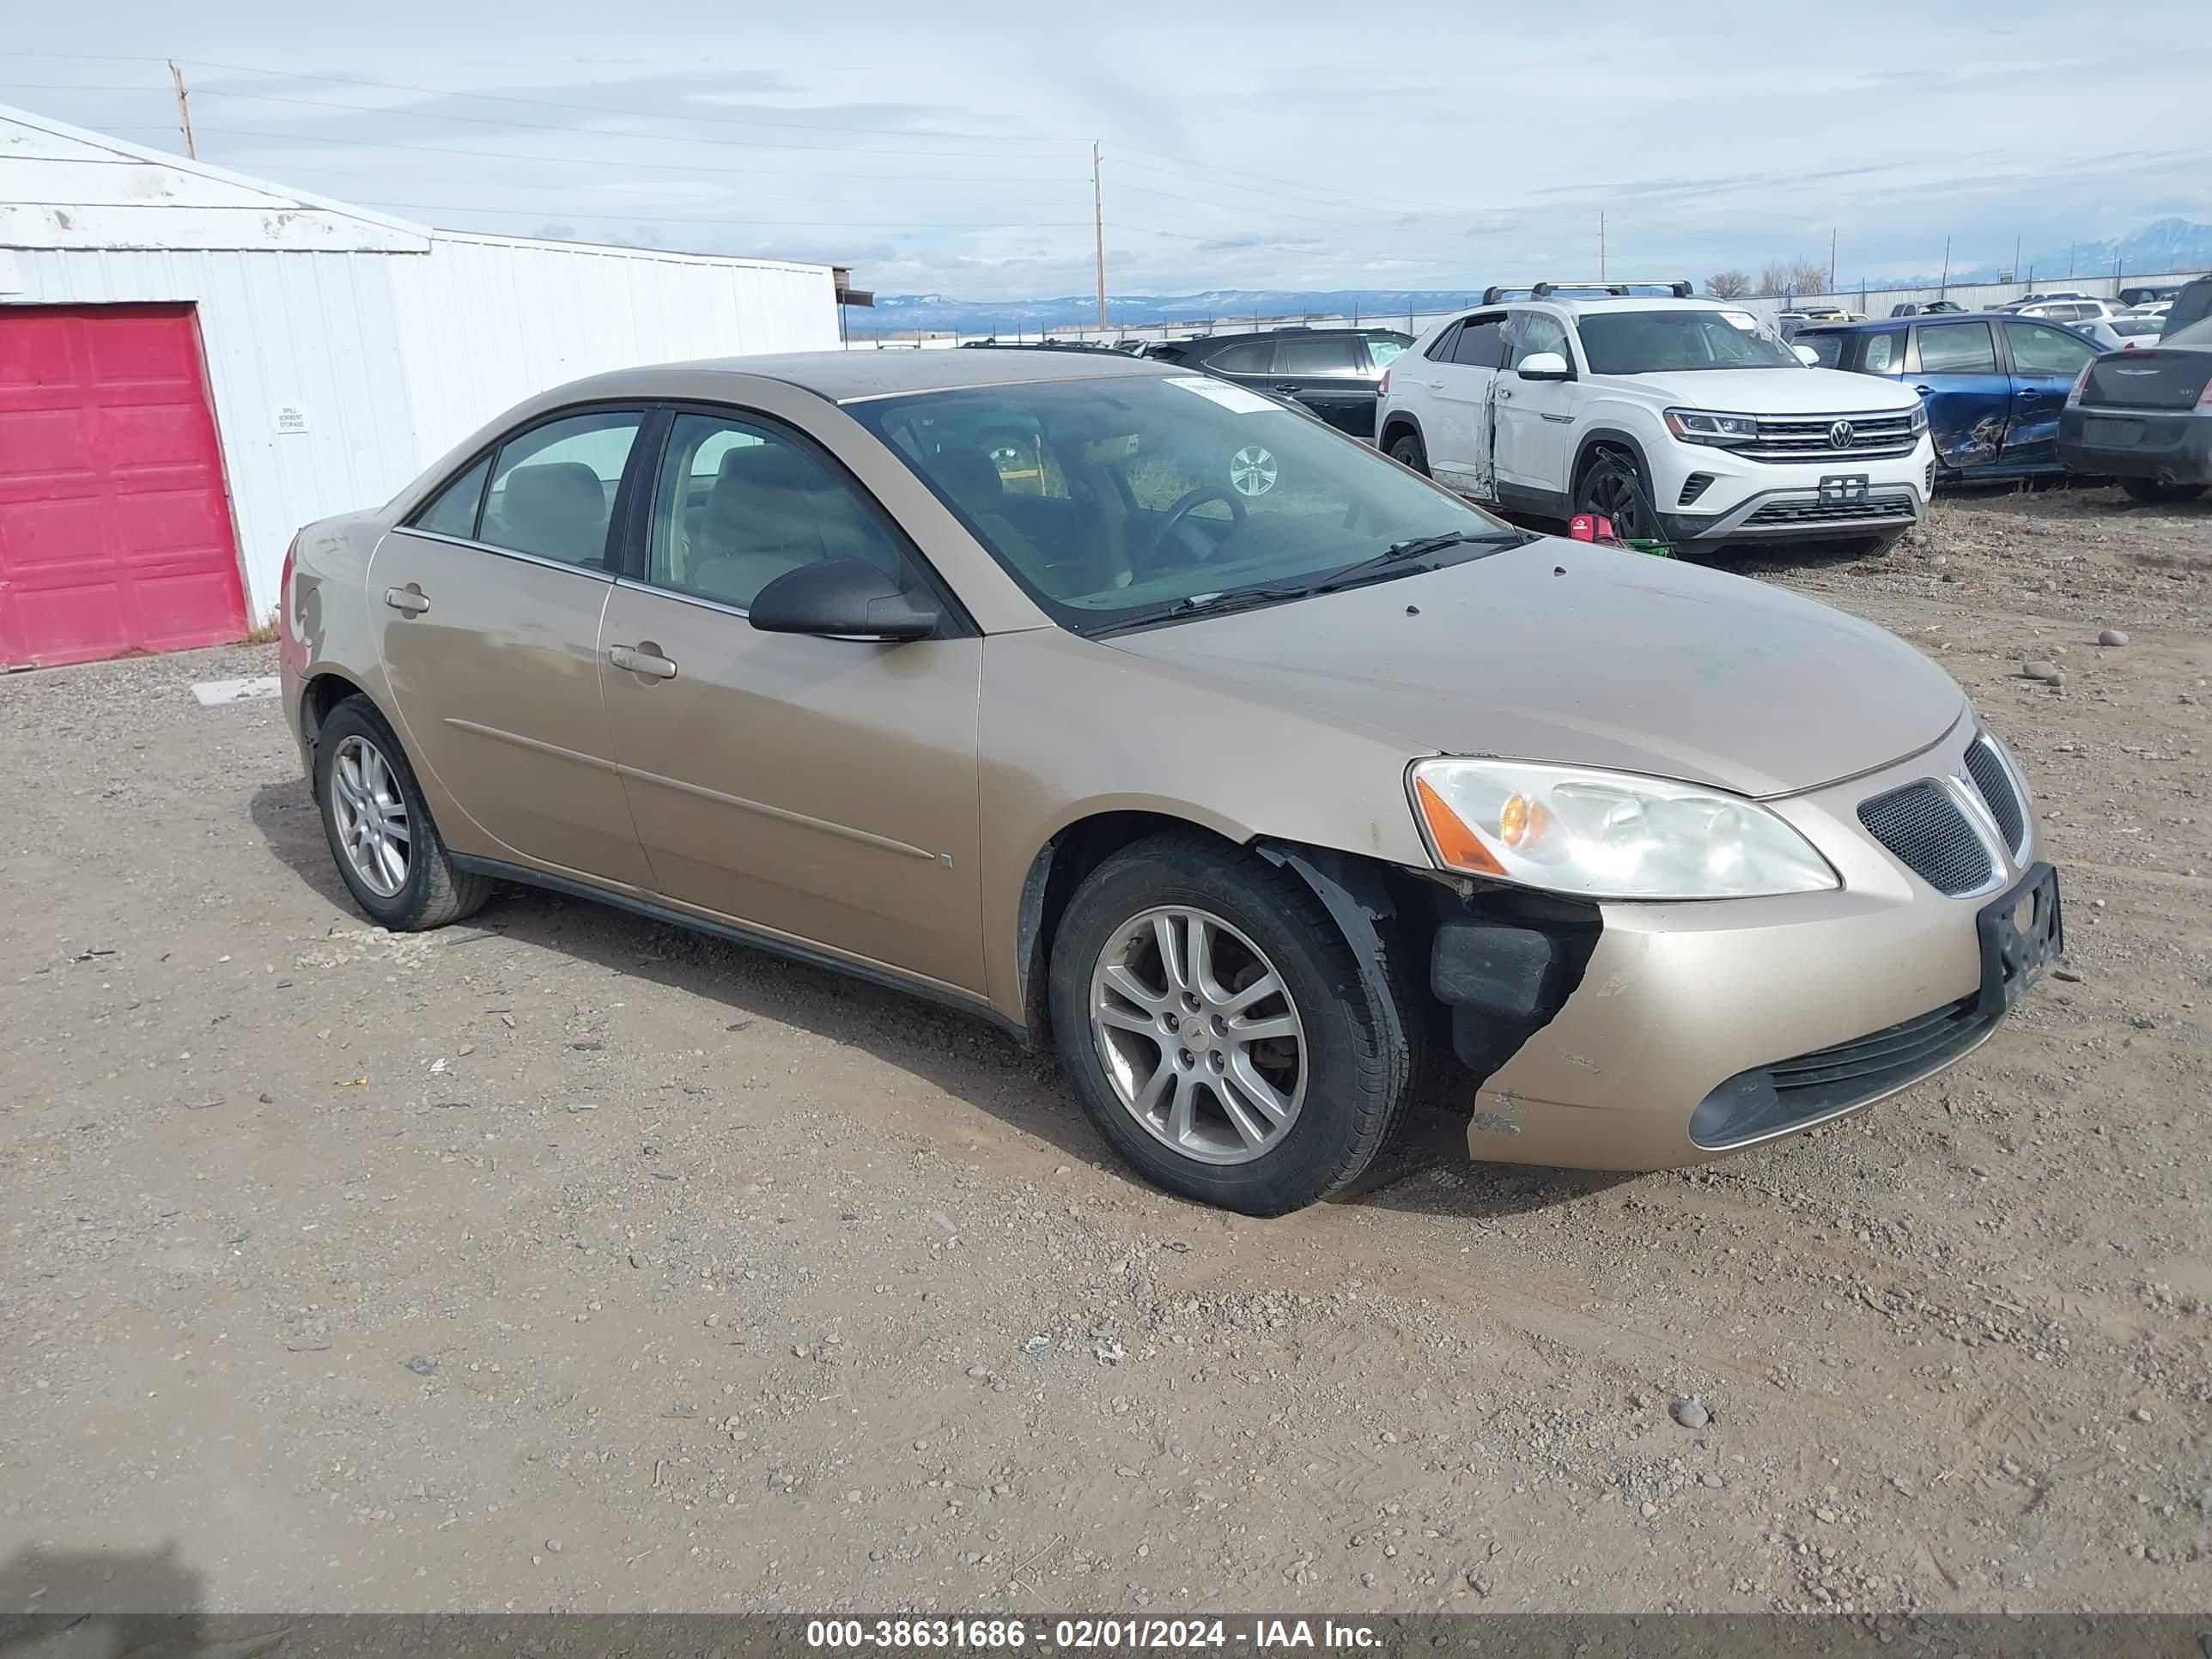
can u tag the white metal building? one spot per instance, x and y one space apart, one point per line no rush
194 363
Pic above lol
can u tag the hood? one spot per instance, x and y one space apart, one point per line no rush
1778 391
1617 660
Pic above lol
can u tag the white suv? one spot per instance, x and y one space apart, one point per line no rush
1678 418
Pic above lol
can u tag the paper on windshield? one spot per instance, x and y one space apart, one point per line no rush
1235 399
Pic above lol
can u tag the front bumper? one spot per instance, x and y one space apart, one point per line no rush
1734 499
2172 445
1680 1001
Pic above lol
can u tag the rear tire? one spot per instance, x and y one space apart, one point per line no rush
1613 488
2155 492
388 852
1138 1033
1408 451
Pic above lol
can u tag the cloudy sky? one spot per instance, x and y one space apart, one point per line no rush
947 148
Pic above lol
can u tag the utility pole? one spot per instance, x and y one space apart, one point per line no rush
1600 244
1943 283
1099 231
2016 258
1831 259
183 109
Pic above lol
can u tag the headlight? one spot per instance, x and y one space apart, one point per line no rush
1608 835
1919 417
1703 426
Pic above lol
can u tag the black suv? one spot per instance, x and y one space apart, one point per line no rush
1332 371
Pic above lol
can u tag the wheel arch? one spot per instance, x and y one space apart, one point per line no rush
1599 441
322 691
1397 424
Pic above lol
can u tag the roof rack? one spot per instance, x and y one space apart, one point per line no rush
1491 296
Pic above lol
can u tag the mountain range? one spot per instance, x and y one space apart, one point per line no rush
2172 244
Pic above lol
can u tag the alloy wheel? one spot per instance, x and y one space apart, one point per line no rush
1616 495
1199 1035
1252 470
370 812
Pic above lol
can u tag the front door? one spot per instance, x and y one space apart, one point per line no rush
823 790
2045 360
1461 384
488 603
1533 419
1969 397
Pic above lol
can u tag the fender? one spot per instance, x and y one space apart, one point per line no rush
1605 435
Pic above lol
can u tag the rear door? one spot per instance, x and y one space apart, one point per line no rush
1329 374
488 603
823 790
2045 359
1969 395
1461 384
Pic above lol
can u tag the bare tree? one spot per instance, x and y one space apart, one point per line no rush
1728 285
1796 276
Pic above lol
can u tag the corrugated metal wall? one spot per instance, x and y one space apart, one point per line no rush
487 321
308 332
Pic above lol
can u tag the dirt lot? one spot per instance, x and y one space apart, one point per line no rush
565 1261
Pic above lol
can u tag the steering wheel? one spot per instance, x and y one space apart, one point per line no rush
1186 502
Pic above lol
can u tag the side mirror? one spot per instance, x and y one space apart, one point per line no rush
841 599
1545 366
1807 356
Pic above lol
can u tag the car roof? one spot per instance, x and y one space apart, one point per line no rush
1876 324
1291 330
846 376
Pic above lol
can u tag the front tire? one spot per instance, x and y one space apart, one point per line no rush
2156 492
388 852
1613 488
1218 1031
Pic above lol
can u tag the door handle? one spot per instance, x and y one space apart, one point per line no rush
2029 396
1925 390
1505 392
409 599
1289 388
642 660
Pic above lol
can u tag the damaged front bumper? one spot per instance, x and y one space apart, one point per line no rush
1676 1033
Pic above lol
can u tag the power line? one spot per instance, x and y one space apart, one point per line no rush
537 127
481 97
600 161
734 221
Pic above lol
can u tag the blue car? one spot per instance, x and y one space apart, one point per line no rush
1994 384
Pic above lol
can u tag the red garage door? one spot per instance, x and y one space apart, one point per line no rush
115 534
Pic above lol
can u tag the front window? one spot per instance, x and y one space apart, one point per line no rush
1669 341
1111 501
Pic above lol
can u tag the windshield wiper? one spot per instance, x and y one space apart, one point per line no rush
1208 604
1414 547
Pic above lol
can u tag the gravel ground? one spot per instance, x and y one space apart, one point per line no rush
562 1259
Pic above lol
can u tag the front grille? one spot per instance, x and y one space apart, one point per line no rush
1813 437
1898 505
1927 832
1791 1093
1692 487
1987 768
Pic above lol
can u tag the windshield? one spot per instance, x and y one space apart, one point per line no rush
2129 326
1384 349
1667 342
1111 500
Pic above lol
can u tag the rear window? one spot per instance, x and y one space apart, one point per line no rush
1885 352
1828 348
1326 354
1958 349
1251 358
